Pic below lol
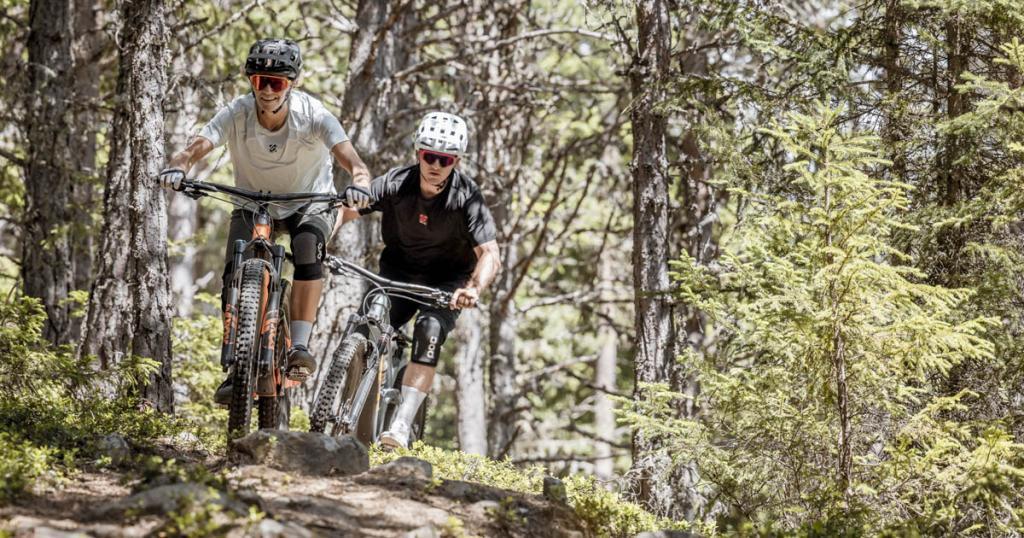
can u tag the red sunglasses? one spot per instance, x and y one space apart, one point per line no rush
431 158
276 84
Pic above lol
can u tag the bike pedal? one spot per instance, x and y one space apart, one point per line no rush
298 374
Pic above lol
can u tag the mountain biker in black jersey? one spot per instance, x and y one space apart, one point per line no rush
281 140
437 231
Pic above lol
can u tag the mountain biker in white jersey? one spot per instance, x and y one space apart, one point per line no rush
437 231
281 140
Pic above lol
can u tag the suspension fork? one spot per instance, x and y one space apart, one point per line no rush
272 316
227 348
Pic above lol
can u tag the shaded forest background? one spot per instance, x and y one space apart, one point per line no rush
761 259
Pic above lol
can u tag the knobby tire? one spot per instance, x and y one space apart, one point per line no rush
329 402
247 340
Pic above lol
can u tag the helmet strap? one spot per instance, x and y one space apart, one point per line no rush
287 98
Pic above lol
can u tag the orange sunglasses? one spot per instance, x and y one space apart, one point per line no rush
276 84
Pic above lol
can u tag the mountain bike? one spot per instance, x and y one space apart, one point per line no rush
256 325
362 388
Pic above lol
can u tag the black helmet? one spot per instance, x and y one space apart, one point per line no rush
274 56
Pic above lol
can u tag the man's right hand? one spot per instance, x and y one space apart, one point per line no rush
357 197
171 178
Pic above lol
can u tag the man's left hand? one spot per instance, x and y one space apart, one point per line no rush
465 298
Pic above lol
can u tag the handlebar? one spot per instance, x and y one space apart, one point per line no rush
196 188
337 265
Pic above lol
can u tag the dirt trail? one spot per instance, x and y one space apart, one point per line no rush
397 499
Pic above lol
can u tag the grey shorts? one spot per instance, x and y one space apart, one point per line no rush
304 252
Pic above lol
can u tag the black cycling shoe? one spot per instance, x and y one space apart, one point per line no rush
223 394
301 363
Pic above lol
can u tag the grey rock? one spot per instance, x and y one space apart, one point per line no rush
426 531
168 498
408 466
49 532
666 534
303 452
554 490
115 447
268 528
483 510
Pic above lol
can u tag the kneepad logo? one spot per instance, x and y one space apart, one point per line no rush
319 251
431 347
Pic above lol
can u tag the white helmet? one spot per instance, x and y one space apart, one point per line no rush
443 133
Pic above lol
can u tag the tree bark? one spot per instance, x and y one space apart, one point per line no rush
183 220
47 259
470 394
605 375
654 325
369 115
88 44
129 305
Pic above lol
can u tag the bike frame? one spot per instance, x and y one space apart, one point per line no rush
383 341
269 379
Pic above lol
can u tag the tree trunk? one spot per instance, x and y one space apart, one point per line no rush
183 218
89 43
503 420
368 114
47 259
470 393
654 325
894 129
605 376
129 305
499 124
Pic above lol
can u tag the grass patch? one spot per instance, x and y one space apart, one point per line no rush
602 511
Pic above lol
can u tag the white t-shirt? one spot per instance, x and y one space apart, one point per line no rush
294 158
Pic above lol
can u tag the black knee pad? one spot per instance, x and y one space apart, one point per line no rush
308 250
309 271
427 338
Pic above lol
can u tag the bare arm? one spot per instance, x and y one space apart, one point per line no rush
345 154
189 156
488 263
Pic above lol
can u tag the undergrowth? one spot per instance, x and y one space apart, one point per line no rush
603 512
54 406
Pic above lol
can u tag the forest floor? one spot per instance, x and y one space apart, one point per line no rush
202 495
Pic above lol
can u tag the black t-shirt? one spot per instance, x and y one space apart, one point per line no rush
430 240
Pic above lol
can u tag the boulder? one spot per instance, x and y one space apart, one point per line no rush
114 447
403 472
168 498
554 490
426 531
302 452
268 528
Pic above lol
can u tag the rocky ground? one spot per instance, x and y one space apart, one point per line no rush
283 484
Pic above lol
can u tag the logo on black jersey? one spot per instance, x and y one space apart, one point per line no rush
272 148
423 219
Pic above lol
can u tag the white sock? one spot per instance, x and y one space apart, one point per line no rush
300 332
412 398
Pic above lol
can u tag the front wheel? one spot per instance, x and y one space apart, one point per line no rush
339 384
247 342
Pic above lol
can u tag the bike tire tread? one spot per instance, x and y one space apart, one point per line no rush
240 409
335 380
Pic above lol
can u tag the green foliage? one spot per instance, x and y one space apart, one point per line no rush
196 345
824 333
22 463
66 401
603 511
